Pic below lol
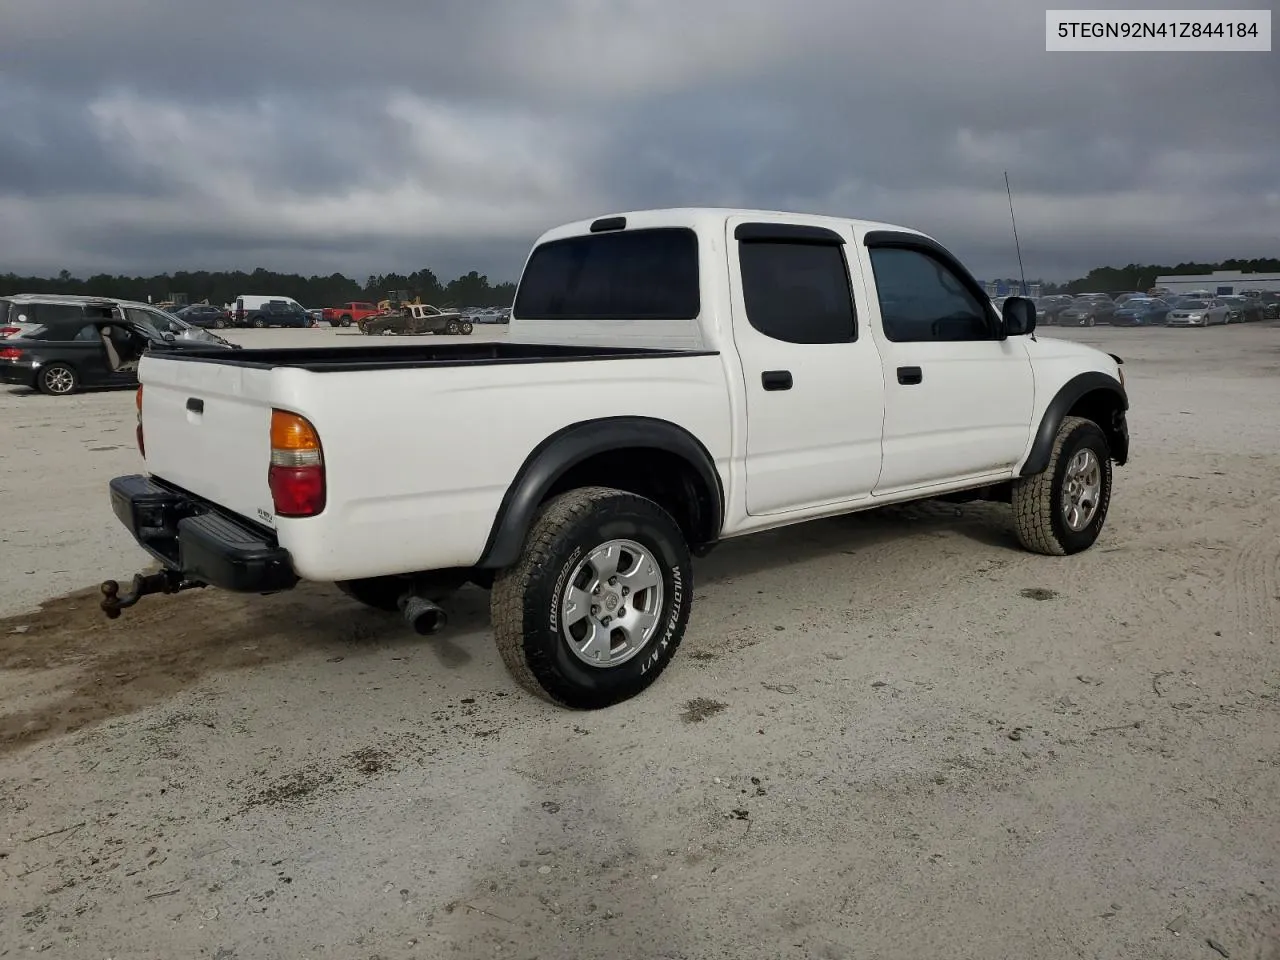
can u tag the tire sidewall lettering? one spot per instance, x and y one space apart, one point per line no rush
557 594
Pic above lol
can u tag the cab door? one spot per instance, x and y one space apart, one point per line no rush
813 384
958 394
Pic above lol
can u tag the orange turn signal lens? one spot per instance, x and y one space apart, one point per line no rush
289 431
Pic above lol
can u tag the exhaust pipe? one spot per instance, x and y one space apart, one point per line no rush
424 616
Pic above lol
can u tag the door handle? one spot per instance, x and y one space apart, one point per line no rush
910 375
195 404
776 379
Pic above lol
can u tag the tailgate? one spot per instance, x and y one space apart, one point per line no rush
207 429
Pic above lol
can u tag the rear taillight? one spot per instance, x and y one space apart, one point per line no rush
296 474
10 353
142 447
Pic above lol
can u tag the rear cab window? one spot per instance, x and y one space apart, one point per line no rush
640 274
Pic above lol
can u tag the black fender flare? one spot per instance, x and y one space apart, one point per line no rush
1066 398
571 445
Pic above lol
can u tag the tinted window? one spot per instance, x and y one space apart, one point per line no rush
59 313
631 275
921 300
797 292
88 332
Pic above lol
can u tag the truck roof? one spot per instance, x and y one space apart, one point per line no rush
714 218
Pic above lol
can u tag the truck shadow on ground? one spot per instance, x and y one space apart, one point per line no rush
66 667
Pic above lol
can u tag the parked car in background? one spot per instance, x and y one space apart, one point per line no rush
1141 312
65 346
416 319
1088 310
1193 312
1270 303
1124 296
204 315
249 305
1050 308
345 314
279 313
488 315
1243 309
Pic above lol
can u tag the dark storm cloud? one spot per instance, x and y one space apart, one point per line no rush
397 134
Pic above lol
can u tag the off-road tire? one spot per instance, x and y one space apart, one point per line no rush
45 383
381 593
1037 500
526 597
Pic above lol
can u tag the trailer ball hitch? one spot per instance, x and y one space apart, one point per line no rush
144 584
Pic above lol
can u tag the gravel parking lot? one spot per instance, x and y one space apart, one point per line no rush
892 735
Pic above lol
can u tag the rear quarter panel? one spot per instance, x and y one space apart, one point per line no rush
418 460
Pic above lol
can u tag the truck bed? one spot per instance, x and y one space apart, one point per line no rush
409 356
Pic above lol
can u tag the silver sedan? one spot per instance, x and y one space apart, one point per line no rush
1197 313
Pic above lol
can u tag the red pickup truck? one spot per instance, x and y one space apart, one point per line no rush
348 313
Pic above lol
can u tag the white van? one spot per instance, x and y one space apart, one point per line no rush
248 305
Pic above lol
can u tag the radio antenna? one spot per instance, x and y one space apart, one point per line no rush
1017 246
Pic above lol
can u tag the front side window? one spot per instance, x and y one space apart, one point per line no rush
797 292
922 300
644 274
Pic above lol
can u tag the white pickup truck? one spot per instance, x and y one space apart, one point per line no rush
672 379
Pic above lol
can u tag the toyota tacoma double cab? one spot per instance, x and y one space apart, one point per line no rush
673 379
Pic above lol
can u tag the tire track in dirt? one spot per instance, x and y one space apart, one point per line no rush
1252 582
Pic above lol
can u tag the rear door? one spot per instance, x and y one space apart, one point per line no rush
958 399
814 388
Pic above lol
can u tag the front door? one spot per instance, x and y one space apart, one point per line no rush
958 399
812 380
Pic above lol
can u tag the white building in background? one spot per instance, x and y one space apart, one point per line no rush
1221 282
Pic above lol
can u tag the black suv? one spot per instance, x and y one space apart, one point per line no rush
59 344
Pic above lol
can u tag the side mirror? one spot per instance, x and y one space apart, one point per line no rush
1019 316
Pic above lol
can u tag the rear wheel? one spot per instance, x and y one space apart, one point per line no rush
1061 510
219 324
345 321
58 380
260 322
598 602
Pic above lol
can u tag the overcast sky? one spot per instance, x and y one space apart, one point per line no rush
150 135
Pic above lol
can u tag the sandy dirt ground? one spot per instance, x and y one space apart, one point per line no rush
892 735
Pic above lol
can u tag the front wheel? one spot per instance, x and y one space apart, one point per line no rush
1061 510
466 329
259 322
451 328
219 324
596 606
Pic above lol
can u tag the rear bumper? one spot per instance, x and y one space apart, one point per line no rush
20 373
196 541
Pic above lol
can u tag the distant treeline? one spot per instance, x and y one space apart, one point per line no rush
472 290
1142 277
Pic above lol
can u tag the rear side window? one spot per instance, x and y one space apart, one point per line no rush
59 322
631 275
797 292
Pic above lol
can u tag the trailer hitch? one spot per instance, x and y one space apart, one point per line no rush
144 584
